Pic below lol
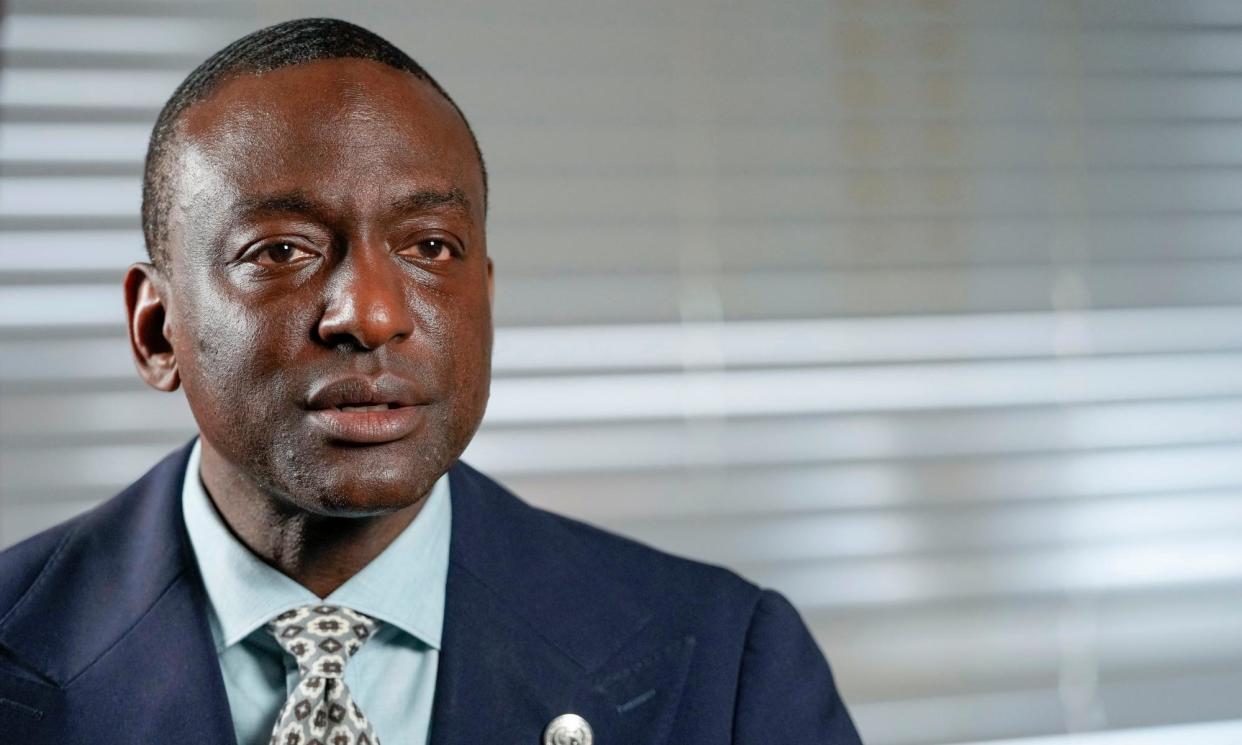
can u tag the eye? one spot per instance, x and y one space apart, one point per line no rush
278 253
434 249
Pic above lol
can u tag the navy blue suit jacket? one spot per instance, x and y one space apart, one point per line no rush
104 637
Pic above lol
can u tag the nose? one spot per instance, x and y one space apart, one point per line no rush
366 304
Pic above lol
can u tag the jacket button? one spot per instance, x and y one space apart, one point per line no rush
568 729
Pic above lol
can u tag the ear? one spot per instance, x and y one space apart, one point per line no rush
491 295
148 332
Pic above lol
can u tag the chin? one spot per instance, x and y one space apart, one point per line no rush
360 488
370 496
335 478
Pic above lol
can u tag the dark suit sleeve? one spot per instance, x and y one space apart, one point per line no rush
786 692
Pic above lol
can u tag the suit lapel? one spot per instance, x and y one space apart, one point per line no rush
130 657
536 626
497 677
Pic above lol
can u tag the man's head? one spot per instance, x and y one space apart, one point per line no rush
314 209
285 44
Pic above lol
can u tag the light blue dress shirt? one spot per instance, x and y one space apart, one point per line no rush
392 678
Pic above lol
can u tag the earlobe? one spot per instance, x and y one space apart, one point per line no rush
149 337
491 295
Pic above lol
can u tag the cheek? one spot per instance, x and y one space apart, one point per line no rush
468 345
449 321
460 326
233 352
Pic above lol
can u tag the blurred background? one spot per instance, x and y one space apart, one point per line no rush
926 314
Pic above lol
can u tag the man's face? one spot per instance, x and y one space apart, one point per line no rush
326 252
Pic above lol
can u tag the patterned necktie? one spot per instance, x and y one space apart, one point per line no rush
321 711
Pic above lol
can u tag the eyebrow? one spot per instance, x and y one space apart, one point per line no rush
431 199
297 201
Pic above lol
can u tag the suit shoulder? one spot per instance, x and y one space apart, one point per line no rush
21 563
572 548
104 539
655 568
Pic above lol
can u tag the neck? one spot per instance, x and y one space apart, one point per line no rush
319 552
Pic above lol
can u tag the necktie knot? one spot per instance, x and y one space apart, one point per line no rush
322 638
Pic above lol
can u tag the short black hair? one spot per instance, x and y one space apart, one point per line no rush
282 45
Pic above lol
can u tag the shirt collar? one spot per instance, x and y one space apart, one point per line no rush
403 586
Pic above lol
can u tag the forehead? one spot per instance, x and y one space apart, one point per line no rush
340 128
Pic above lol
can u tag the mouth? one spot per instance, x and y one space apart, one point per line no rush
366 411
368 407
372 424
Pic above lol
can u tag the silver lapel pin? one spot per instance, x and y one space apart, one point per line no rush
568 729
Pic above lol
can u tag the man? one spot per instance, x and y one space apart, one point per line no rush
318 566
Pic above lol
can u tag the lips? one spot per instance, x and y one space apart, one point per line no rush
366 410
